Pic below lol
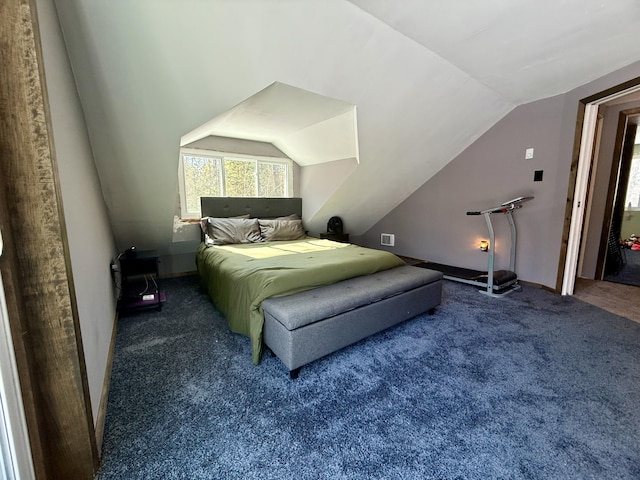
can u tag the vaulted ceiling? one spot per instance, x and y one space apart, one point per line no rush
311 128
523 50
427 79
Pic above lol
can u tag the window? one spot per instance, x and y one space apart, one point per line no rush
214 174
632 200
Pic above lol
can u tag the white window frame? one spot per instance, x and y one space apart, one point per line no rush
222 156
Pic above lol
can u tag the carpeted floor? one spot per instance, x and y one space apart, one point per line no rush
531 386
629 274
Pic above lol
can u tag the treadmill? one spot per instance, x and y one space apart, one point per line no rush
494 283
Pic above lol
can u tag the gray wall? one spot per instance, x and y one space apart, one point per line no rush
91 243
432 225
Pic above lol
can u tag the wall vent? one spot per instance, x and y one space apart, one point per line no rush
387 239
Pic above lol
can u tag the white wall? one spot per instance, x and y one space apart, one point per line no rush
318 183
149 72
91 242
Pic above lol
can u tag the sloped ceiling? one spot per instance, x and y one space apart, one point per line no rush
523 50
310 128
427 78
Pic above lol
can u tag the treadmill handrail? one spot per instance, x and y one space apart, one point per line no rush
505 207
517 200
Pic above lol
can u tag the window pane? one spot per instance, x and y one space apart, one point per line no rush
202 178
272 178
633 187
240 178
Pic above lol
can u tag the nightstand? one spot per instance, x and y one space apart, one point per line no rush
336 237
139 282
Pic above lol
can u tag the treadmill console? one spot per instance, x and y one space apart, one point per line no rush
516 200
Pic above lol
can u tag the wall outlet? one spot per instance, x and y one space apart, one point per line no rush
387 239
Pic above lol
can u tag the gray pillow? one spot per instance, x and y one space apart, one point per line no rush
204 222
224 231
280 229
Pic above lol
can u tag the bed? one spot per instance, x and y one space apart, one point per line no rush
255 249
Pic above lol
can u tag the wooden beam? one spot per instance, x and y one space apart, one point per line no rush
36 267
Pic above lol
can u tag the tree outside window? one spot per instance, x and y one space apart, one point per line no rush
220 176
202 178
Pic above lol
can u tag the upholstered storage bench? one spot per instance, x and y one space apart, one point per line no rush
303 327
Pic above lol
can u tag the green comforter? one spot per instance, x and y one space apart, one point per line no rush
239 277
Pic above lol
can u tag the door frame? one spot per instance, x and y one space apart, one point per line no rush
581 166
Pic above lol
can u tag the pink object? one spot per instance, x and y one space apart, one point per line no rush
635 246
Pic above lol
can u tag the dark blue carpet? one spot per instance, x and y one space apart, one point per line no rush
629 274
531 386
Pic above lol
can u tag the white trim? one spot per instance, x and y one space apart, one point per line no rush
217 154
355 133
14 437
579 197
181 186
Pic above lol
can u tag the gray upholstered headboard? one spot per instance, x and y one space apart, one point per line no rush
256 207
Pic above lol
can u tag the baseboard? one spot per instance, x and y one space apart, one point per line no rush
538 285
104 397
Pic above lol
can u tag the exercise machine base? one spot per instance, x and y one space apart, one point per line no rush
495 283
504 281
514 287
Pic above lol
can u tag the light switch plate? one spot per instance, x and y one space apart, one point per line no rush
528 154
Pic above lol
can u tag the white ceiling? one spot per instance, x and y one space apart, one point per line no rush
503 45
311 128
427 79
522 49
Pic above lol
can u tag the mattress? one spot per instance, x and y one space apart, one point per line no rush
239 277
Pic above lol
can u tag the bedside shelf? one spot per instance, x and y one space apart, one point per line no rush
140 289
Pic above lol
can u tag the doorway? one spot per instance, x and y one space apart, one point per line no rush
621 263
580 177
617 298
